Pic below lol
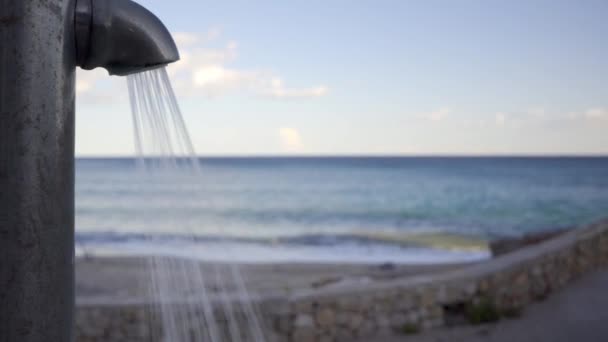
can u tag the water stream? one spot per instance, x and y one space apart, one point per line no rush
184 300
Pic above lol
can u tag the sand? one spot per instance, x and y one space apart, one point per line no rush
120 278
577 313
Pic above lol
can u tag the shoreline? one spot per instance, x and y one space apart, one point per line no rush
359 247
110 277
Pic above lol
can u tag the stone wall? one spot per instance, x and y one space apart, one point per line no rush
504 285
137 321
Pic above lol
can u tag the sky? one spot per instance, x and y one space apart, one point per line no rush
364 77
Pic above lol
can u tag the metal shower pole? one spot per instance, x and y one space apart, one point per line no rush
37 70
41 43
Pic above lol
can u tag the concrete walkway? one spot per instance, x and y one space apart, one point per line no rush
577 313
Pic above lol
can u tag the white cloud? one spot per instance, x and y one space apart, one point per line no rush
278 90
86 80
217 77
290 139
591 114
213 74
202 70
539 116
83 86
205 70
185 38
97 87
438 115
500 118
596 114
538 112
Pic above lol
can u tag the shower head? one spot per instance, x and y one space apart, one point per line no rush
121 36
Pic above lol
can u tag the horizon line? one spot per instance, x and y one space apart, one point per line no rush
353 155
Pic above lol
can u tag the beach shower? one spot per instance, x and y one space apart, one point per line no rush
41 44
121 37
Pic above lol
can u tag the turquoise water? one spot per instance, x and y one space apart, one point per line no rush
334 209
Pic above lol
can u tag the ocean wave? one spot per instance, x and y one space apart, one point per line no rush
439 240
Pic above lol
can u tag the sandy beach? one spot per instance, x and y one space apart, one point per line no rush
577 311
125 278
100 278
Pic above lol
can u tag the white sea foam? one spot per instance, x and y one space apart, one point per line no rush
264 253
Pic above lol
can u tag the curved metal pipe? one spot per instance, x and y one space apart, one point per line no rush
121 36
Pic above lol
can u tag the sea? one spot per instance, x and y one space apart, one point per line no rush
332 209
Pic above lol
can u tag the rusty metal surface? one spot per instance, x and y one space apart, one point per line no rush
37 70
